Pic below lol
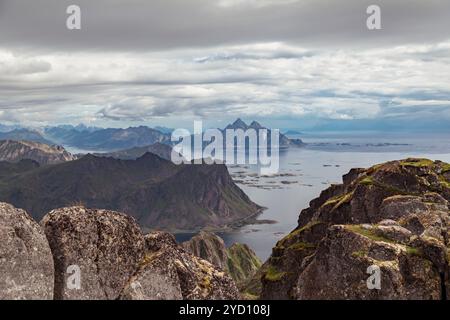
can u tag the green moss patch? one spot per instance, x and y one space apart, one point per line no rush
302 246
446 167
338 201
346 198
359 254
444 182
297 232
371 234
417 163
414 251
367 181
273 274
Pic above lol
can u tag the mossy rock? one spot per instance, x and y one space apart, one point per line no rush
272 274
301 246
417 163
359 254
368 233
446 168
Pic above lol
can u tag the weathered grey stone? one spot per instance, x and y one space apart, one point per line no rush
396 233
339 270
107 247
169 272
26 263
157 280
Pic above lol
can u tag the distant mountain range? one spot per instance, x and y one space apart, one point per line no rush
116 139
159 194
14 151
23 134
107 139
292 132
284 142
162 150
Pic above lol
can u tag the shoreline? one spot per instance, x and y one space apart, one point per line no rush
230 227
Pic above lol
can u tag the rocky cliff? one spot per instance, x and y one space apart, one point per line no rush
239 261
79 253
393 216
14 151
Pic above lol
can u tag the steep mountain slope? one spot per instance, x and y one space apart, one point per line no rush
26 135
107 139
153 190
239 261
14 151
162 150
393 216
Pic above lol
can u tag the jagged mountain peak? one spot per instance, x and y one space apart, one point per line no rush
256 125
237 124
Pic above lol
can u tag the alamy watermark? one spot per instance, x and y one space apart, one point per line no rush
73 21
374 280
74 279
252 146
373 21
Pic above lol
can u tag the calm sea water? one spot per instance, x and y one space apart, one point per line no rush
304 172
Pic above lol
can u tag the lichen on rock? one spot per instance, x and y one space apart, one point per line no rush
26 263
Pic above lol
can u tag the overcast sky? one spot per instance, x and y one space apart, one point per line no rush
289 63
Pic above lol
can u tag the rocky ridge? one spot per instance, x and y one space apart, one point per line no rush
14 151
393 215
239 261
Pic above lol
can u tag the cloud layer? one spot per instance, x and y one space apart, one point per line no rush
173 61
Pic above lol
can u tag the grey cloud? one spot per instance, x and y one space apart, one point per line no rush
160 24
136 61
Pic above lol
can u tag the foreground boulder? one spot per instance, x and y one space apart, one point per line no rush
393 217
104 246
26 263
169 272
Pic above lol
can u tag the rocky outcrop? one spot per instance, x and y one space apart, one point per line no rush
26 263
169 272
103 247
208 246
393 216
87 254
14 151
239 261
